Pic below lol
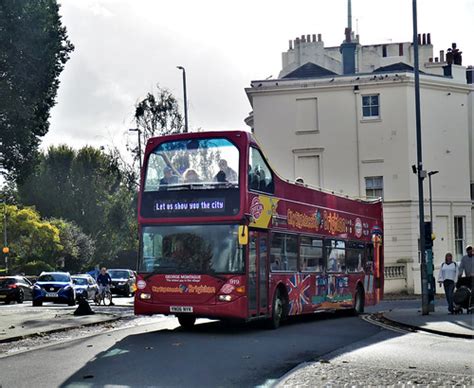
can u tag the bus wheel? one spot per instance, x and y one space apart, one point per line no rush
359 301
186 321
277 311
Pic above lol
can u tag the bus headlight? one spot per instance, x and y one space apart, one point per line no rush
225 298
145 296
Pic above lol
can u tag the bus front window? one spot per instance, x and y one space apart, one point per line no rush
195 163
196 249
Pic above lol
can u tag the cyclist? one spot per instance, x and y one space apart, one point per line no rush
104 281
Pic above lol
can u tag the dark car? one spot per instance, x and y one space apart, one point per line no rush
15 288
85 286
54 287
123 281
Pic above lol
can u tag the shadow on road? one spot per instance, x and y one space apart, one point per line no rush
217 354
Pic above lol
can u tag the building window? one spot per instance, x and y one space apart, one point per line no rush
458 237
370 106
374 187
306 115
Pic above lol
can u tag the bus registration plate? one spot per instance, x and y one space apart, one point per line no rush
181 309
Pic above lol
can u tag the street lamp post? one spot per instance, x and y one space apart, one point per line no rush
185 99
139 133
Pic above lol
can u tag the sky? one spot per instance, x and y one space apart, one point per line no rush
124 48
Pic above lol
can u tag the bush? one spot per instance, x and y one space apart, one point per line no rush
36 267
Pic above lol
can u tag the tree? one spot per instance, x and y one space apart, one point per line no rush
34 48
78 247
87 187
30 238
156 116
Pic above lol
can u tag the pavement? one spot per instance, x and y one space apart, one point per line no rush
26 321
407 314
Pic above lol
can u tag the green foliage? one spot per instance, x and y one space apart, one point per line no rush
34 48
30 238
78 248
158 115
89 188
35 267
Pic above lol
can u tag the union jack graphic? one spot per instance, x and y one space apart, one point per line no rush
298 292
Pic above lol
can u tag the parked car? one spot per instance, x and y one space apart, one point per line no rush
15 288
54 287
85 286
123 281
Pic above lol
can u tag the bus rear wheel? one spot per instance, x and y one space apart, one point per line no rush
277 311
186 321
359 301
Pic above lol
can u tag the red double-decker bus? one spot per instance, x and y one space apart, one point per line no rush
223 236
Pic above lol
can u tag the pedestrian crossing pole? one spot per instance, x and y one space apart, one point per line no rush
419 171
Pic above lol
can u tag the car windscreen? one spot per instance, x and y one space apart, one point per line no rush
119 274
54 277
80 281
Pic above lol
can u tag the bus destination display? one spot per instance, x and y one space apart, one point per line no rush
214 205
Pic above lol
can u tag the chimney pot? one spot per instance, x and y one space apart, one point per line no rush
436 59
419 38
441 55
424 38
308 38
303 39
297 41
319 38
314 37
430 60
428 38
291 44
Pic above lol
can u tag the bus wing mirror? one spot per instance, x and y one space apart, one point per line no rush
243 234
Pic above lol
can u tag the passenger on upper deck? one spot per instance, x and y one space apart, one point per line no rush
191 176
168 179
230 174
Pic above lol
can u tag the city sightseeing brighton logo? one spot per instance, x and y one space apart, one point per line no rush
256 208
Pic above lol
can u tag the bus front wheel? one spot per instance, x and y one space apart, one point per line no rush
186 321
277 311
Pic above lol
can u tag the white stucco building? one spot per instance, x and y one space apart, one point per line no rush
346 122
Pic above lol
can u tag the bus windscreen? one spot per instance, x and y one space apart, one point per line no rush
191 249
193 164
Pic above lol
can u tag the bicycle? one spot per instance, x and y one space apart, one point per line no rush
104 296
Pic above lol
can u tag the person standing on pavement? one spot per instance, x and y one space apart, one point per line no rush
467 264
448 274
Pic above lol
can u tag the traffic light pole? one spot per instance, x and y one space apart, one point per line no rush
420 172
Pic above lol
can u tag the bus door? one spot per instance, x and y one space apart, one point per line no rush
257 278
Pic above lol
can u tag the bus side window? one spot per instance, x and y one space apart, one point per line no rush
355 257
311 254
336 256
260 175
